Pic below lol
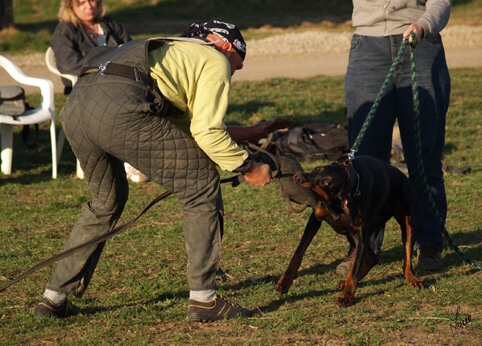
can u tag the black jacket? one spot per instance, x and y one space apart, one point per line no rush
72 44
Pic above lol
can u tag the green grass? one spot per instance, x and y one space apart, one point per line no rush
138 294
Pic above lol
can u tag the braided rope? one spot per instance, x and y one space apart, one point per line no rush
416 107
375 104
421 168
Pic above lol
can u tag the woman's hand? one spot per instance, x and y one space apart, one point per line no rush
417 29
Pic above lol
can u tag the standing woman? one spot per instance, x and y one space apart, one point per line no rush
82 27
381 27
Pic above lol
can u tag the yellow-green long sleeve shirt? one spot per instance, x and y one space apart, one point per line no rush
196 79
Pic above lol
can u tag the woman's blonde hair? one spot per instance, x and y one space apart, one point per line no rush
67 14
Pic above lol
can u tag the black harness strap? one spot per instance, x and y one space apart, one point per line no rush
121 70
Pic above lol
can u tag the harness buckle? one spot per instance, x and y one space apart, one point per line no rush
103 66
137 75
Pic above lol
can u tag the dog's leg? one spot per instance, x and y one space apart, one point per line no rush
369 260
286 280
408 240
365 260
349 285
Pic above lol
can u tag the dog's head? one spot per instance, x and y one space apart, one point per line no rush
329 183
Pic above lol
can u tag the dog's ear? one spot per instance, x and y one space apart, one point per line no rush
348 206
345 174
345 169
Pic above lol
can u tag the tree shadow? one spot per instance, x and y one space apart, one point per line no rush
394 254
172 17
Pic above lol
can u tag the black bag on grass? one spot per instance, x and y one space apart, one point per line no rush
316 141
12 102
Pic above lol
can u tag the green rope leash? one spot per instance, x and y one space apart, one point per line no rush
421 168
375 104
416 107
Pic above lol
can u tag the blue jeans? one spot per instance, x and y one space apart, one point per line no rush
369 62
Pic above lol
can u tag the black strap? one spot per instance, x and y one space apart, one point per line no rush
126 71
133 73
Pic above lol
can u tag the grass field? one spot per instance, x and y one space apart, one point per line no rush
138 295
139 292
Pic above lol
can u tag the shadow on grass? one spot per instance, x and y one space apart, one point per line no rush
172 17
470 244
392 255
161 302
31 165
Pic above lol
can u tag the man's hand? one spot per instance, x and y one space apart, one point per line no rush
258 174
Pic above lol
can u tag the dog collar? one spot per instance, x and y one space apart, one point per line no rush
354 182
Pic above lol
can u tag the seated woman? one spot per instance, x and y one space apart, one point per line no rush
82 27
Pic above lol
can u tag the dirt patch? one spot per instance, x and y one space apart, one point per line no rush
311 53
297 55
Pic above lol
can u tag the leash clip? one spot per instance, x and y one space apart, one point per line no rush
103 66
351 154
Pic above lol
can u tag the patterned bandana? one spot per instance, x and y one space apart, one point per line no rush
226 31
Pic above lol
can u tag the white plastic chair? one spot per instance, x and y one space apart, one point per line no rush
45 112
52 66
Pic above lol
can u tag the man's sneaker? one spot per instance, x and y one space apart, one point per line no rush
47 309
429 258
214 310
344 267
221 276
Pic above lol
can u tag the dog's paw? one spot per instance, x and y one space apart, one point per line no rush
282 287
279 290
415 283
345 301
341 285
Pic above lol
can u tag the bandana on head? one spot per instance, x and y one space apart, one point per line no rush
226 31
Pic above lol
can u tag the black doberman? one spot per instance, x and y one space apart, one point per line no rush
355 198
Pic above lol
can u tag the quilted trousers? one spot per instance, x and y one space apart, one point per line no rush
107 121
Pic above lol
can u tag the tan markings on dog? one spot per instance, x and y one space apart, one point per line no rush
320 212
320 192
316 189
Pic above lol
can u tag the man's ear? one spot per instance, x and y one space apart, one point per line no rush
227 46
